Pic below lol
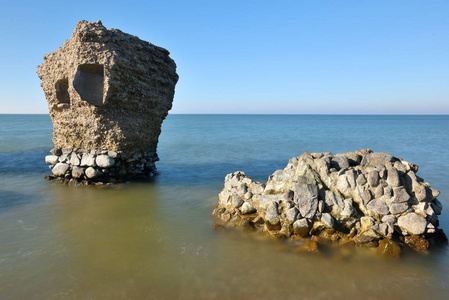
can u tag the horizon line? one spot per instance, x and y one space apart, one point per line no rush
292 114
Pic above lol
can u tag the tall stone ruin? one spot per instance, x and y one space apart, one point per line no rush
108 93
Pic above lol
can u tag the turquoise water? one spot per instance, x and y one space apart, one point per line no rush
154 240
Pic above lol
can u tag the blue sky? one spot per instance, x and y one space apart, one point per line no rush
343 57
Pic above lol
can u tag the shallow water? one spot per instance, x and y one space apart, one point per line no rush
155 240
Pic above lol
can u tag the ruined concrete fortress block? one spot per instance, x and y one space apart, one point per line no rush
361 198
108 91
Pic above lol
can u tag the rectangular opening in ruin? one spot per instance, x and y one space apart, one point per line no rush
88 83
62 93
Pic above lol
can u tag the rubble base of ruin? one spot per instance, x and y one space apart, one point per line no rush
99 166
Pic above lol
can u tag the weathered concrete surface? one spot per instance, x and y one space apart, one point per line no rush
107 90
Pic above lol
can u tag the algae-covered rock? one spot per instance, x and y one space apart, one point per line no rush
388 248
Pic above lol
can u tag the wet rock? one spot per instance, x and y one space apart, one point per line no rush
388 248
226 217
309 246
368 237
440 238
272 217
417 242
366 223
301 227
383 229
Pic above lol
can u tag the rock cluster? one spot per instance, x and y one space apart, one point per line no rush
81 165
359 198
107 91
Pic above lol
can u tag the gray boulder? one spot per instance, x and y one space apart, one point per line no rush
301 227
60 169
306 198
378 207
373 178
104 161
77 172
377 159
272 216
340 162
237 201
393 177
88 160
247 208
292 214
413 223
51 159
398 208
328 220
258 188
93 173
74 160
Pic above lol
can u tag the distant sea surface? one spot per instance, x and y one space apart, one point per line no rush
155 240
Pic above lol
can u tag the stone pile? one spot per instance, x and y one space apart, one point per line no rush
80 165
356 198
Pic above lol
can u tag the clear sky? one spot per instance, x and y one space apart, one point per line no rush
244 56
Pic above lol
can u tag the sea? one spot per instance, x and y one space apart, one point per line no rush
156 240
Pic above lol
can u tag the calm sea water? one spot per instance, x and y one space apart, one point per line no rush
155 240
